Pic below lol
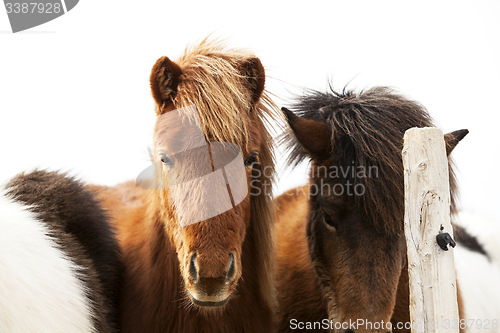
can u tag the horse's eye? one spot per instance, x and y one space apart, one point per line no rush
330 221
165 159
251 159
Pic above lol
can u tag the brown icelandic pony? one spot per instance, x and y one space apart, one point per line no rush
215 275
341 252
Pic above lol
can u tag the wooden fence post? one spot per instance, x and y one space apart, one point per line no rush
433 293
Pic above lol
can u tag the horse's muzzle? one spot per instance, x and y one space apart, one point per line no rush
210 291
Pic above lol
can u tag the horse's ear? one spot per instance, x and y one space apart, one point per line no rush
164 80
253 70
314 136
453 138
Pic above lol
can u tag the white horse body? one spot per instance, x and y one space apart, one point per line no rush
479 276
39 287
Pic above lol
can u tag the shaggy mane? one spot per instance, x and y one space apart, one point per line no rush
211 80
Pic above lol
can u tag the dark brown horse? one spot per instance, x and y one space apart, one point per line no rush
213 275
59 258
341 246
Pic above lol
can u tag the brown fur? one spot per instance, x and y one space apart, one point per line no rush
355 243
298 294
81 229
164 80
227 88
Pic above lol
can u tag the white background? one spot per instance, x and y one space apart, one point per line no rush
74 92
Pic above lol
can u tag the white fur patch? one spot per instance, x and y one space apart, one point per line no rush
39 290
479 278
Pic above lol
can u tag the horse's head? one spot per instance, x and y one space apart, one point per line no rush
355 229
210 143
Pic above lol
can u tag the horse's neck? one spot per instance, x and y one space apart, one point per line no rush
152 283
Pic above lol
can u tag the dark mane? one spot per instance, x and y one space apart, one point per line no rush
367 131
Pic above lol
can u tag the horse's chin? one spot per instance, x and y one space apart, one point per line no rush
212 304
208 297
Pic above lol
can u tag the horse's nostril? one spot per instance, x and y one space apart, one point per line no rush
230 269
193 270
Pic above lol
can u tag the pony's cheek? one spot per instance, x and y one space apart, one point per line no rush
326 242
179 242
175 236
242 216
